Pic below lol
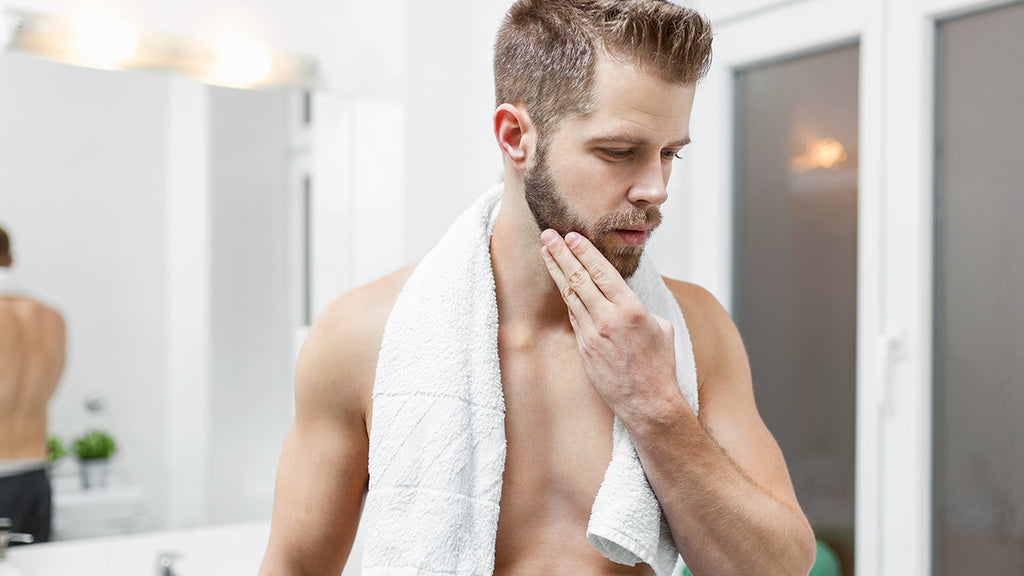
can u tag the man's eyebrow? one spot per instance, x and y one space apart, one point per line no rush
633 140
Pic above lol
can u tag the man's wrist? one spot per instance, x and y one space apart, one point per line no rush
656 415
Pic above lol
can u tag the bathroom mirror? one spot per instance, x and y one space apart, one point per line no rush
167 221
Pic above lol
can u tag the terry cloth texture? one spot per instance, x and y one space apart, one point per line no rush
437 444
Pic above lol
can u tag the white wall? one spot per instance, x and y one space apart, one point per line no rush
448 98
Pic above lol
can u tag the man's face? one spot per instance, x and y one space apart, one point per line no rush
604 174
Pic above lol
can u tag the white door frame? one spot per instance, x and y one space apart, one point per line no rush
787 31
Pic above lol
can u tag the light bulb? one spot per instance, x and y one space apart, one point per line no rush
242 62
105 43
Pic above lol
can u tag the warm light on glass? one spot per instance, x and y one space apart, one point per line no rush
105 42
242 62
823 153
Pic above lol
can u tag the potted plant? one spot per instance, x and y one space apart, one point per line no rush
94 451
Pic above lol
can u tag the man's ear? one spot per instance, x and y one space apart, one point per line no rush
515 134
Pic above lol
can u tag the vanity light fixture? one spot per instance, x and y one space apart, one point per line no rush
111 45
105 42
240 61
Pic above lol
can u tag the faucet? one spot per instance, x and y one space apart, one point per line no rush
6 537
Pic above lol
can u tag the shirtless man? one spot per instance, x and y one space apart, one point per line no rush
31 361
588 124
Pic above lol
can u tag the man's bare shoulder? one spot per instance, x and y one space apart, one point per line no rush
697 303
713 334
338 359
50 317
42 318
363 311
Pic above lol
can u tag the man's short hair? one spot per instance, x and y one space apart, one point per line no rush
5 245
546 52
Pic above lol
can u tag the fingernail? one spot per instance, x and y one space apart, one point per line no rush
548 236
572 239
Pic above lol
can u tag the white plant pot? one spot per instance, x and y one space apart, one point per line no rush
93 472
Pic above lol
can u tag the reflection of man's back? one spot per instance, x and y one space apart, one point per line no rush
31 361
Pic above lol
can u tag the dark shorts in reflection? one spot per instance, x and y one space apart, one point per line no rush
26 499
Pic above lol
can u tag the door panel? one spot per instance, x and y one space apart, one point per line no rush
795 271
979 296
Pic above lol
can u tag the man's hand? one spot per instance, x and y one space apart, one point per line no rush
728 498
628 352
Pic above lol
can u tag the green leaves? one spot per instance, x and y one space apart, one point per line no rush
95 444
54 449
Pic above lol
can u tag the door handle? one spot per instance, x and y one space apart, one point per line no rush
889 349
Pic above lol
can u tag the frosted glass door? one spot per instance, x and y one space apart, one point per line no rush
795 271
979 296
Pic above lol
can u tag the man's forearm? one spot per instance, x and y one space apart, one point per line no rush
722 522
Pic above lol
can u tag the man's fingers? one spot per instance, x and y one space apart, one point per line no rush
577 309
604 275
576 275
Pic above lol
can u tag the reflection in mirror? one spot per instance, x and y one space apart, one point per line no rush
165 220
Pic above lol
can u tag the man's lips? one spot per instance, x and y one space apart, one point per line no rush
633 237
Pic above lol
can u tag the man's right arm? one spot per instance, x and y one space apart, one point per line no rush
322 474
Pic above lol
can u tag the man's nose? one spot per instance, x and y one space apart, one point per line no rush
651 185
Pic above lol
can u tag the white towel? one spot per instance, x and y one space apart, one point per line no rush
437 444
626 521
9 285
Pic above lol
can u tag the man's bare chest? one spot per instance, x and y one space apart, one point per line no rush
558 434
557 429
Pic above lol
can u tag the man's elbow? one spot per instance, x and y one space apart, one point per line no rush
805 549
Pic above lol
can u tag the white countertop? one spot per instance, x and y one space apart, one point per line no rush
228 550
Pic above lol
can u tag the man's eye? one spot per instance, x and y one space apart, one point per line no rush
616 154
670 154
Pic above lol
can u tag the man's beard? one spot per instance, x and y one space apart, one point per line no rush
550 210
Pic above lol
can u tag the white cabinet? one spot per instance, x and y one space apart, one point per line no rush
111 510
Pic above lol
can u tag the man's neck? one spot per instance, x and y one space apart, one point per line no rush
528 298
